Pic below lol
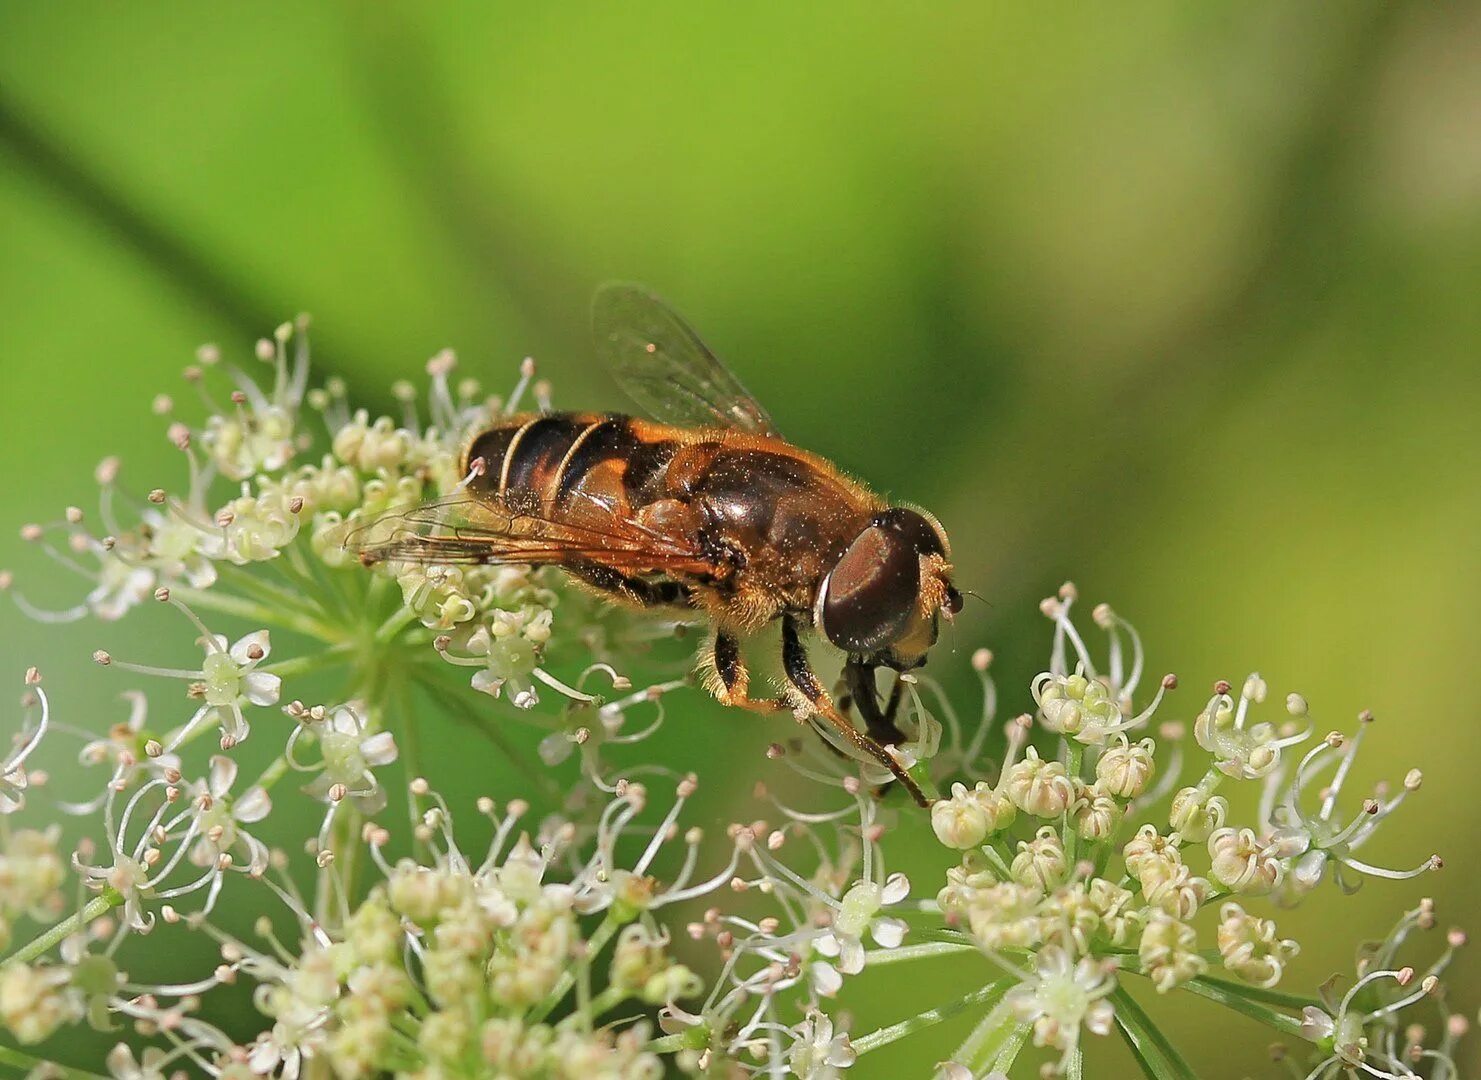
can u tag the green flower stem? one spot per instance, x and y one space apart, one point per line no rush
607 1000
323 660
396 622
995 1041
695 1038
886 1035
265 591
27 1064
1067 834
594 945
1075 1070
1010 1043
945 934
1158 1058
1278 998
487 725
246 609
97 906
920 772
915 952
1230 997
273 773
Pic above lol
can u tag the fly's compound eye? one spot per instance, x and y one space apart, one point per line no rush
869 599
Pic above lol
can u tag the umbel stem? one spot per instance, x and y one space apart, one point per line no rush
43 943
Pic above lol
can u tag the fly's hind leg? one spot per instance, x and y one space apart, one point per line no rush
803 681
726 676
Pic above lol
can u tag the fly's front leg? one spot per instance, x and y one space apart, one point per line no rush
727 678
859 678
800 676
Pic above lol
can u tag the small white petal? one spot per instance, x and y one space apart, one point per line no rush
851 956
252 806
379 749
240 651
260 688
825 979
222 775
896 889
888 933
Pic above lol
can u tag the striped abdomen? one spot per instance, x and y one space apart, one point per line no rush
545 460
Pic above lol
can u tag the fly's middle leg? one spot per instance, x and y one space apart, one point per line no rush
726 676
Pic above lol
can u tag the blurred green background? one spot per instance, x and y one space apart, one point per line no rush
1180 301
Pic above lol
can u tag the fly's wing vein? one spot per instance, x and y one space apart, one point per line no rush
488 530
661 363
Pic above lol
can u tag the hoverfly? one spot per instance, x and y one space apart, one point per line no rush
703 507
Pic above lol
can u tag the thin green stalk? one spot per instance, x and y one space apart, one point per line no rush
595 944
28 1064
946 935
99 905
245 609
1278 998
267 592
1223 993
604 1002
884 1036
1012 1045
487 726
1158 1058
877 957
323 660
397 621
273 773
1067 834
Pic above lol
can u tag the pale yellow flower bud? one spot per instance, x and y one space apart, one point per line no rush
1041 863
1242 863
1124 770
1194 815
1169 953
967 817
1038 787
1250 948
1096 814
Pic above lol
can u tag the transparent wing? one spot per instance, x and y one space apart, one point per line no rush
482 530
664 367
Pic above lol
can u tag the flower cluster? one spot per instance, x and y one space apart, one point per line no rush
606 935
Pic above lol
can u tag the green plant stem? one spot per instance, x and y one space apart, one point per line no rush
27 1063
1278 998
997 1036
594 945
1067 835
909 1026
1231 999
1158 1058
94 908
877 957
1075 1069
245 609
1011 1044
323 660
921 774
